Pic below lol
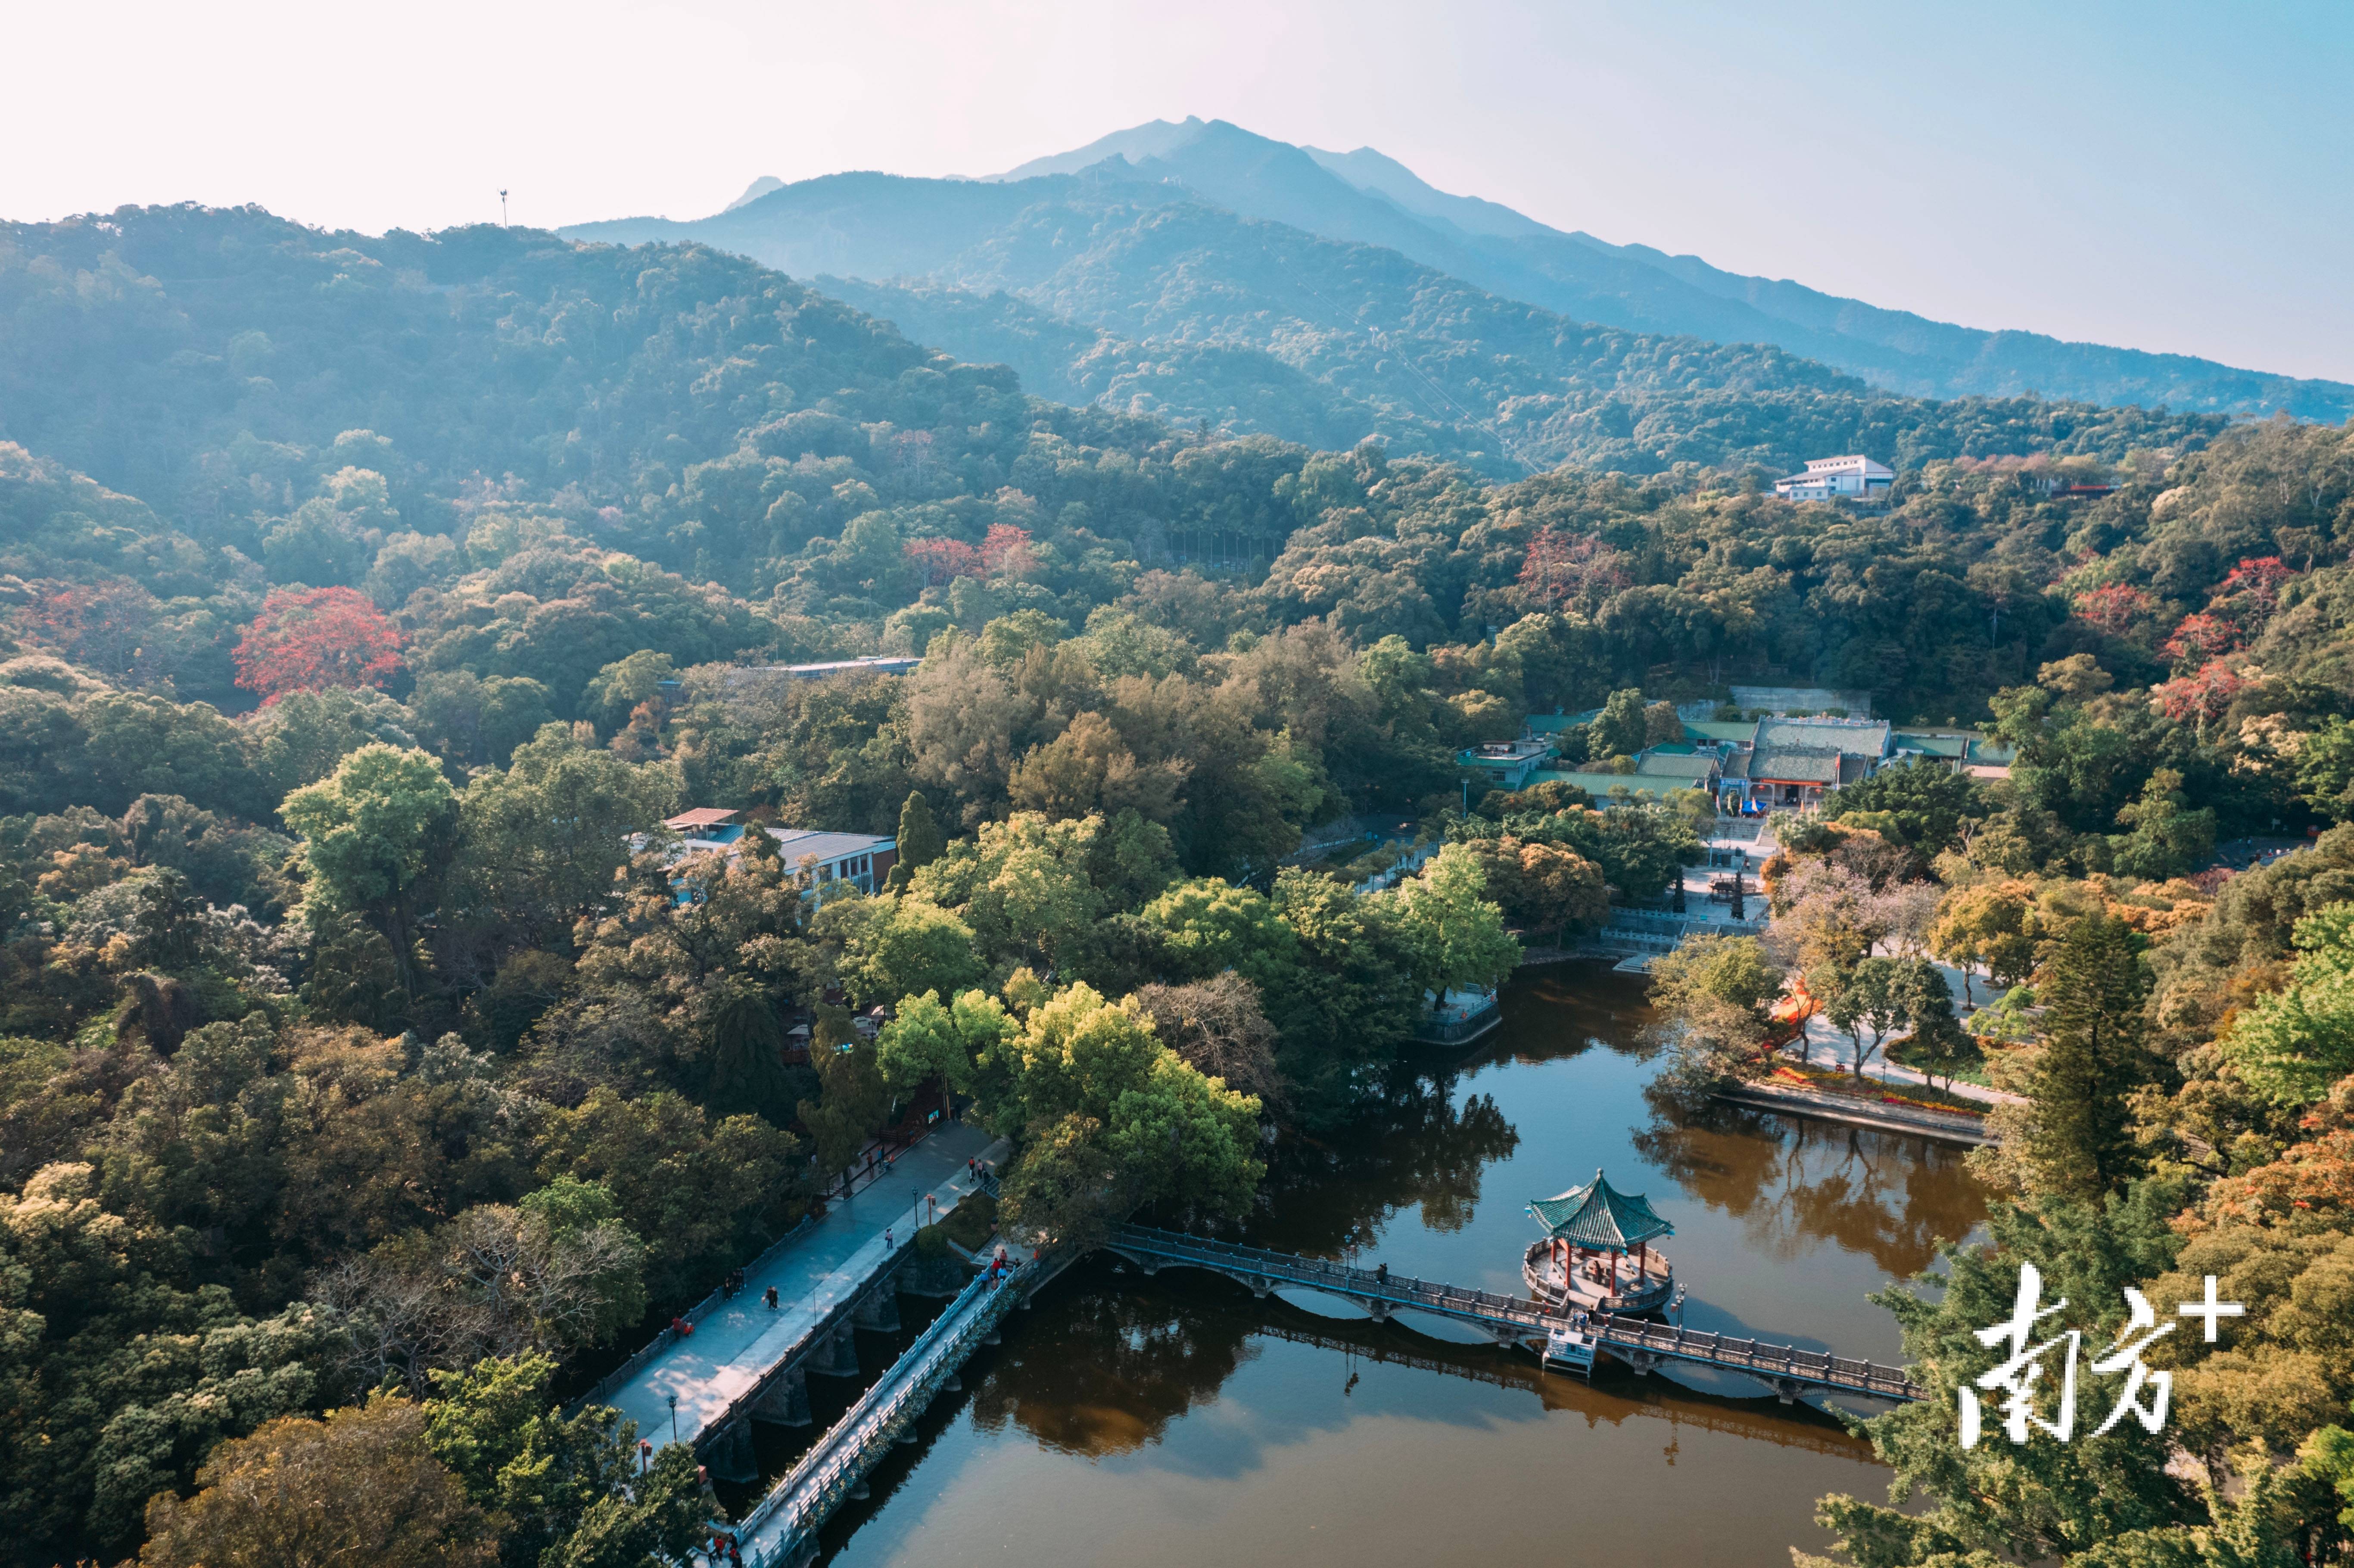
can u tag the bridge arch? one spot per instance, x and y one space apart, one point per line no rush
1369 1304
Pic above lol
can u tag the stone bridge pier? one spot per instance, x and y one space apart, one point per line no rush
836 1355
730 1454
785 1401
878 1311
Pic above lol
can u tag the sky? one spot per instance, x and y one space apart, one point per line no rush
2155 176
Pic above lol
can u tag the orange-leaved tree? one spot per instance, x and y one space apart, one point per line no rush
308 639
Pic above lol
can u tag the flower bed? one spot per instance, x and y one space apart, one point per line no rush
1954 1105
1833 1081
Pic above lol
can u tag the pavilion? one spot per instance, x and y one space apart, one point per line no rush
1589 1231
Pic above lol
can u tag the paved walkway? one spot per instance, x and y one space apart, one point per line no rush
1831 1046
737 1344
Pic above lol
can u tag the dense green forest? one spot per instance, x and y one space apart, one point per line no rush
362 596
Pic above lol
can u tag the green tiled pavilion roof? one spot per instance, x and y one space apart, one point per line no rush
1598 1215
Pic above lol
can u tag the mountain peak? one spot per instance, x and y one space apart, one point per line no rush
1153 139
754 190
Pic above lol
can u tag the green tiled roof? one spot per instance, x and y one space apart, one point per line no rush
1599 784
1794 765
1934 744
1598 1215
1859 737
1690 766
1716 729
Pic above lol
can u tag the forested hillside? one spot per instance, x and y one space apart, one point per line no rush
359 599
1255 326
882 230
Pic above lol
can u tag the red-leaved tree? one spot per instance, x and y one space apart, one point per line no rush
109 628
2114 610
2201 637
2201 698
1006 551
303 642
2258 576
2248 598
940 559
1563 570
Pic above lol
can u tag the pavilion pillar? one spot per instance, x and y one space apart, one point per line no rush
1642 1262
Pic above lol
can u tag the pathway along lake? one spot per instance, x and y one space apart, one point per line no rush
1175 1420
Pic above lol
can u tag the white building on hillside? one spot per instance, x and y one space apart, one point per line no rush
1826 477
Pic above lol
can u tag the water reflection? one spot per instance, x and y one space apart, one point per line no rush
1560 1010
1614 1402
1126 1354
1107 1368
1794 1184
1168 1418
1419 1145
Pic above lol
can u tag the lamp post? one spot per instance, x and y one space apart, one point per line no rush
673 1417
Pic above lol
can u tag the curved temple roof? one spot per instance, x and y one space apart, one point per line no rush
1598 1215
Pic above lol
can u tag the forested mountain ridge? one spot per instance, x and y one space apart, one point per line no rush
1324 341
864 229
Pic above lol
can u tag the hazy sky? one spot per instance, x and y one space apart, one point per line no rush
2163 176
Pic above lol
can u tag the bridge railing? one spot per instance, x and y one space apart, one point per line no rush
1756 1356
737 1408
1520 1375
1751 1356
1429 1296
620 1375
800 1502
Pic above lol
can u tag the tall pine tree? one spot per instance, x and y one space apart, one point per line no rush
920 841
2092 1057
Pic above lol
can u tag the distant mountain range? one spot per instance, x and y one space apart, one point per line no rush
1645 289
1199 271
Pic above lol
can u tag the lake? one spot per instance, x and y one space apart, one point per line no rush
1175 1420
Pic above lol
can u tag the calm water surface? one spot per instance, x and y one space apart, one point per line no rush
1175 1420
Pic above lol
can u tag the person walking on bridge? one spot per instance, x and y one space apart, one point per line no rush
770 1298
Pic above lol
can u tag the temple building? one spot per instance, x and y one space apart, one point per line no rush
1797 761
